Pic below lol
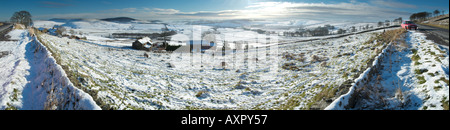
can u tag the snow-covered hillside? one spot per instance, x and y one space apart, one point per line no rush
412 74
275 72
46 24
260 79
32 80
232 30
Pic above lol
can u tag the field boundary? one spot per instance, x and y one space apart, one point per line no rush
68 74
339 36
348 100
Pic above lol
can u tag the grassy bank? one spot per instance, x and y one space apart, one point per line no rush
436 25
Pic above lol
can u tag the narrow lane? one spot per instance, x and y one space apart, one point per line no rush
438 35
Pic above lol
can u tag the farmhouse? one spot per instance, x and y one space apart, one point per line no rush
143 44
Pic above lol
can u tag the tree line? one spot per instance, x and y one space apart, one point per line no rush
327 29
424 15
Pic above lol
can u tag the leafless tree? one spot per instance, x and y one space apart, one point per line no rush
436 12
380 24
387 22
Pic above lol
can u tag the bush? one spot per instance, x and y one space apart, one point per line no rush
201 94
316 58
345 76
438 60
420 71
445 80
290 66
324 64
445 103
415 58
414 51
432 53
289 56
417 63
421 80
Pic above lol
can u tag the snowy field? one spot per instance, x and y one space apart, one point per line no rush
411 74
31 80
100 32
268 75
414 77
125 79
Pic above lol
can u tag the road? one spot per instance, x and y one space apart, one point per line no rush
438 35
338 36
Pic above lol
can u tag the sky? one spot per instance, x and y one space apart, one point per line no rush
350 10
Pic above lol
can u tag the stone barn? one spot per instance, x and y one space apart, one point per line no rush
143 44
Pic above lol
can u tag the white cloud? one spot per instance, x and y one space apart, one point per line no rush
392 3
163 11
130 10
352 10
317 11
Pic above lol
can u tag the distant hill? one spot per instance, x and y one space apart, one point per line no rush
63 20
119 19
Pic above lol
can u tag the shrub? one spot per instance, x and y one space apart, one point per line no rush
316 58
421 79
436 88
399 93
438 60
414 51
445 80
432 53
420 71
323 64
289 56
437 81
445 103
415 58
417 63
201 94
290 66
345 76
146 55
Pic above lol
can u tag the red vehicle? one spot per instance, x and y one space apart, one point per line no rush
409 25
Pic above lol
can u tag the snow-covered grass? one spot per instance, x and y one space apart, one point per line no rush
412 74
120 78
46 24
99 31
31 79
270 75
12 72
431 71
